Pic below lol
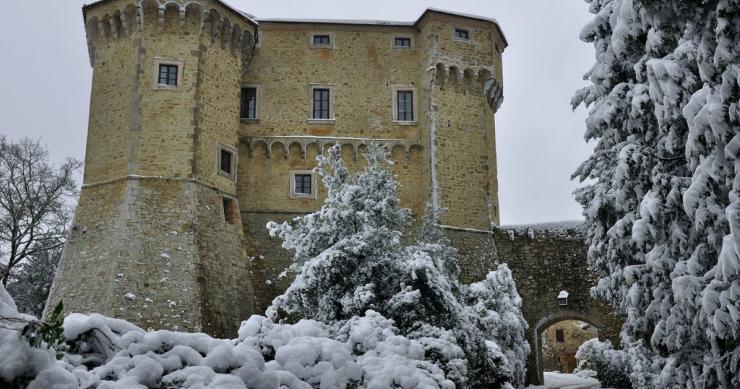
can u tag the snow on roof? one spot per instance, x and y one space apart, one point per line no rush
563 294
340 21
553 229
387 22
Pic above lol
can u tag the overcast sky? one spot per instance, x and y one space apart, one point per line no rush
45 84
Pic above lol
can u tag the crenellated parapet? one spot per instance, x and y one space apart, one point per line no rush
117 19
476 80
300 144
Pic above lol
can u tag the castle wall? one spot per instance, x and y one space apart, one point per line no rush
115 87
544 260
462 115
362 68
165 252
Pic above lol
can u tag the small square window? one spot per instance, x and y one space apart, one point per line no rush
226 162
321 40
559 335
462 34
321 101
168 74
249 103
302 184
402 42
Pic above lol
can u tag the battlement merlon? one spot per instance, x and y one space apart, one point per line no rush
116 18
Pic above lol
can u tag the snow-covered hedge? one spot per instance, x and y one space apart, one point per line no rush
611 366
364 352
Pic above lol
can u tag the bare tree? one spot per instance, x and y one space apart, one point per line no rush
35 201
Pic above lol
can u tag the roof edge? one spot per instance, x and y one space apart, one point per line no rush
248 17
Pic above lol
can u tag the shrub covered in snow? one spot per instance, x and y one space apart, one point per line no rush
106 353
662 205
352 261
611 366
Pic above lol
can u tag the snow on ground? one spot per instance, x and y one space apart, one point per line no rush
567 381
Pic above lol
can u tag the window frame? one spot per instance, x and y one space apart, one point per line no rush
230 213
314 189
168 62
395 37
311 118
468 30
231 175
257 97
330 45
414 103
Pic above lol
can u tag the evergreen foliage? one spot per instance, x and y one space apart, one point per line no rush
662 203
353 262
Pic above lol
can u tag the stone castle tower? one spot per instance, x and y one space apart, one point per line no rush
205 124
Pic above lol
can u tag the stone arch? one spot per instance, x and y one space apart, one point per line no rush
312 150
440 74
193 16
225 32
171 17
150 13
454 76
399 152
235 39
536 339
116 24
297 148
128 19
468 80
277 149
213 24
105 27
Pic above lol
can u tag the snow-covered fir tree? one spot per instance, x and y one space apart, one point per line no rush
353 262
662 200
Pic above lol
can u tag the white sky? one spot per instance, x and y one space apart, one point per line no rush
45 84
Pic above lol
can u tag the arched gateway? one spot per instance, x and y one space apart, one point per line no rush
545 260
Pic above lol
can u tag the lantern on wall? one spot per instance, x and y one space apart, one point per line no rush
563 297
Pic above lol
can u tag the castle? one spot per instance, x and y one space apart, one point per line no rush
205 123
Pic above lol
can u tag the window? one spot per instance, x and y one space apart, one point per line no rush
226 161
230 212
321 102
404 106
462 34
559 335
249 103
321 40
401 42
302 184
167 73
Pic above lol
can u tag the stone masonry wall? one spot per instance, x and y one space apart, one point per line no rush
544 260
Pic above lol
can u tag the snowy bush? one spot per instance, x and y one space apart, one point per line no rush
106 353
662 205
352 261
611 366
